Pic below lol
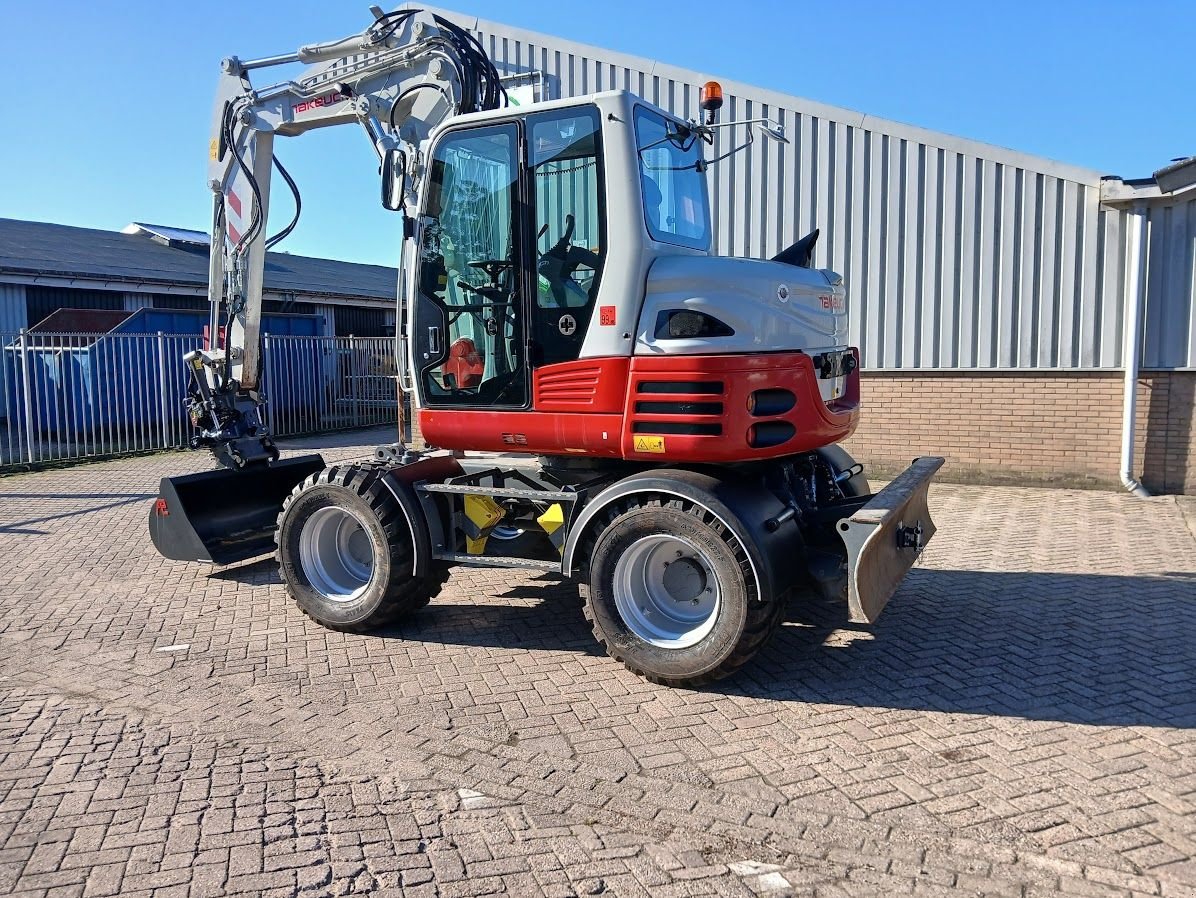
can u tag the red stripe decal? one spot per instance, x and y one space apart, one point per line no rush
233 233
235 202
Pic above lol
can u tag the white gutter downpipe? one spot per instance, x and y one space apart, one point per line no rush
1132 350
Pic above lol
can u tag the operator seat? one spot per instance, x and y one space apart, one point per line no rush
464 365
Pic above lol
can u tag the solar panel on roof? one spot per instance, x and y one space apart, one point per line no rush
173 235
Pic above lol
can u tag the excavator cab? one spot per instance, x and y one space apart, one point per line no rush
510 252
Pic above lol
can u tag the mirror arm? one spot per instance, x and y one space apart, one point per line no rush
731 152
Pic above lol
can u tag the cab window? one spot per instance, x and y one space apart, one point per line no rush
565 160
471 328
676 208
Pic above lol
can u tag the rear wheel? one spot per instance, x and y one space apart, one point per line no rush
344 551
671 593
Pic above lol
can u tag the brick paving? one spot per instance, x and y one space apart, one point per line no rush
1022 721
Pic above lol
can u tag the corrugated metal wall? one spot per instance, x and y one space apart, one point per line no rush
12 319
12 308
41 300
957 254
1170 339
361 322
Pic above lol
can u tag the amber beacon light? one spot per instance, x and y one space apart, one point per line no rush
712 99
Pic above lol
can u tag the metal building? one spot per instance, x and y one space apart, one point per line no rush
45 266
959 256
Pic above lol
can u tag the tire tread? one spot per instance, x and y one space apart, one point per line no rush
404 594
765 613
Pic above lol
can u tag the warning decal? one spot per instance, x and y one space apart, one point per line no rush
654 445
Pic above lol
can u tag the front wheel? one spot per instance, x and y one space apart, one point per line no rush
344 550
671 593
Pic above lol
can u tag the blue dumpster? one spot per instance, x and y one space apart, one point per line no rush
124 377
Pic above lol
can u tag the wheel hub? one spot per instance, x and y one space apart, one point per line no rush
666 591
336 554
684 579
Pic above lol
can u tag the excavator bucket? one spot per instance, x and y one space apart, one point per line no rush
885 537
225 516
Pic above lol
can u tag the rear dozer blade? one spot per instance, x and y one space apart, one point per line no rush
225 516
885 538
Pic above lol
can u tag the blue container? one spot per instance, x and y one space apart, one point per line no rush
187 321
82 386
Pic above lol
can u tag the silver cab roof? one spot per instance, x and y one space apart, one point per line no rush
608 99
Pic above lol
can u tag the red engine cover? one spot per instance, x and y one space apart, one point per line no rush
661 408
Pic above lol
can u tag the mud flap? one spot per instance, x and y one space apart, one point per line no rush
885 537
225 516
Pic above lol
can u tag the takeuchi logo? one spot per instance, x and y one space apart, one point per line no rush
329 99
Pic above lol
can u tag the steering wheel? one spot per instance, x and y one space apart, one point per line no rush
492 268
496 301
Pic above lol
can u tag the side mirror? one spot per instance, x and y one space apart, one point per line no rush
394 179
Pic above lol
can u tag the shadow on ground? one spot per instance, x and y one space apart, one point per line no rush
365 439
1075 648
30 500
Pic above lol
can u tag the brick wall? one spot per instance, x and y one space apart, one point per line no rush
1170 433
1062 428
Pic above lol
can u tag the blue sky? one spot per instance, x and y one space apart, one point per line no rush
109 104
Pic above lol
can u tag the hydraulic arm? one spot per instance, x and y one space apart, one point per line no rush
402 76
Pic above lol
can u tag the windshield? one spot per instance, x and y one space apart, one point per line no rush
674 186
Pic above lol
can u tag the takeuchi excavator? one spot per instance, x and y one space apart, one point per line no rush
601 396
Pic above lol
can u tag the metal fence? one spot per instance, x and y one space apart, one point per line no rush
73 396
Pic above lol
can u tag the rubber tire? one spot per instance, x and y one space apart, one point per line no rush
392 592
839 459
745 619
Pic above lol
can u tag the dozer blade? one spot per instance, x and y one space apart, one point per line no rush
225 516
884 539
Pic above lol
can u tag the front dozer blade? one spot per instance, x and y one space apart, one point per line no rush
884 539
225 516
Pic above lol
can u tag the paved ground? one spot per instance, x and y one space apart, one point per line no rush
1021 722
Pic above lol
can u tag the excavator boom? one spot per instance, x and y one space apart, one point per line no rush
399 79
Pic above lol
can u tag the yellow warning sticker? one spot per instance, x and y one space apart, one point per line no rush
214 149
649 444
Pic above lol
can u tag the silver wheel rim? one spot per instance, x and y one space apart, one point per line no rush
666 591
336 553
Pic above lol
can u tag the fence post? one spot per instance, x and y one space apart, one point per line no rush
354 381
29 417
163 412
264 386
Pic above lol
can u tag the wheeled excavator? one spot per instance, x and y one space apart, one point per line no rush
601 395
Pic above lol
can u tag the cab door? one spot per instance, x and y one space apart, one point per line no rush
566 175
470 342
